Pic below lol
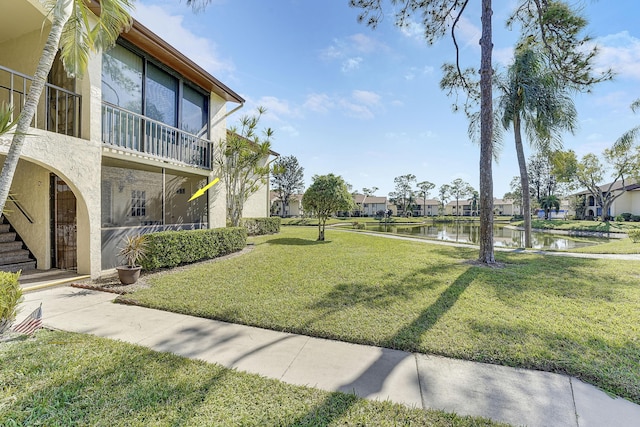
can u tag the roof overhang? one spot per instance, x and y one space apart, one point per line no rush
149 42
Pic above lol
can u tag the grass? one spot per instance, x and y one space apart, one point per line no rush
558 314
571 225
63 379
614 246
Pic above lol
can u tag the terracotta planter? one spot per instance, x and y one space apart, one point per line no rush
128 275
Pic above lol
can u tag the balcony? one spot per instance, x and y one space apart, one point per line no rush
136 133
59 110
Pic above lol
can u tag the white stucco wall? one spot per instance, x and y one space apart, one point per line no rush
77 162
217 194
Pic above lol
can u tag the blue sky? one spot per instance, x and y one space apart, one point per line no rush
366 104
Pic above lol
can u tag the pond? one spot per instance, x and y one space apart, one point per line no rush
503 235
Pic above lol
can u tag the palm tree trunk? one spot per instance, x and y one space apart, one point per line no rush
61 14
486 139
524 181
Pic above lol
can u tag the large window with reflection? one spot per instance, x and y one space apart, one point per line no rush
140 85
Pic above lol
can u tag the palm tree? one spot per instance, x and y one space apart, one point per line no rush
629 137
549 202
530 95
71 32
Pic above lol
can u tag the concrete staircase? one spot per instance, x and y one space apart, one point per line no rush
14 255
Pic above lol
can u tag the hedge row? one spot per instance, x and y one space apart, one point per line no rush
10 297
260 226
172 248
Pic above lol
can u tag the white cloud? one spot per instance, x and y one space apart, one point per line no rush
621 52
318 102
468 33
290 130
356 110
360 104
413 29
351 64
365 44
351 50
278 108
366 97
174 31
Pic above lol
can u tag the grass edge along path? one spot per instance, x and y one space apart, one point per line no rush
557 314
62 378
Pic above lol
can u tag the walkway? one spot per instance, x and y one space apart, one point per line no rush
515 396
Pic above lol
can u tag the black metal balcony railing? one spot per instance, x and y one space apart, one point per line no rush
59 110
131 131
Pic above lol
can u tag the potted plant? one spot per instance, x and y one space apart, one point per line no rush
134 249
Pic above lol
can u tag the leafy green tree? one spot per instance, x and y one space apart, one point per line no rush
622 161
287 179
542 181
326 195
403 190
425 187
531 97
460 189
516 192
242 163
73 32
552 24
369 192
475 197
445 192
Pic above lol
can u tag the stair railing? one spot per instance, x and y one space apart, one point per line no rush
21 209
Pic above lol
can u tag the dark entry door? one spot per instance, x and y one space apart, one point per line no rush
63 226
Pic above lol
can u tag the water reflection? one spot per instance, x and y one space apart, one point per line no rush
503 236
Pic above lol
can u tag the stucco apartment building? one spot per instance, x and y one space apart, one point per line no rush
119 151
628 202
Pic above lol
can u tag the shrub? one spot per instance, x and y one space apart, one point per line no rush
260 226
620 218
635 218
358 225
626 215
10 297
634 235
172 248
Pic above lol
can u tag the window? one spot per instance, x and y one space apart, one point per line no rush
122 79
194 112
138 203
161 96
138 84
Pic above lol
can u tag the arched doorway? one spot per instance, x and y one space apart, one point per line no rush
64 229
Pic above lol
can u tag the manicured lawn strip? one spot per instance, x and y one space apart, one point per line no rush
64 379
615 246
570 225
577 316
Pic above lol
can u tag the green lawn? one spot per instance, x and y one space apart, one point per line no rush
559 314
65 379
614 246
570 225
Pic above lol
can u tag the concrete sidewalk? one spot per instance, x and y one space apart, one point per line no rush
514 396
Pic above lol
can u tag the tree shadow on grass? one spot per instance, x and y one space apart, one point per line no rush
295 242
371 381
